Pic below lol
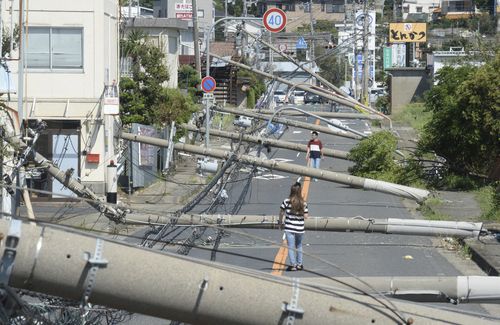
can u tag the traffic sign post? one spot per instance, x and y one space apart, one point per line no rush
208 84
274 20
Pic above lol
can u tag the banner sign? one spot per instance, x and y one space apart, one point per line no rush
387 57
407 32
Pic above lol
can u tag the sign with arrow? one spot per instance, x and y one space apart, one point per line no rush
301 44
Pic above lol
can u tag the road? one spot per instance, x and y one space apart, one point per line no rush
328 254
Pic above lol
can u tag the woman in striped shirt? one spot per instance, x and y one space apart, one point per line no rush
295 210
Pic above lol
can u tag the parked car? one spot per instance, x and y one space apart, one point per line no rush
375 93
312 98
297 97
279 96
243 121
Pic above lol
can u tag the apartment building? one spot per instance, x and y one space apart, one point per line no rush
419 10
299 12
71 57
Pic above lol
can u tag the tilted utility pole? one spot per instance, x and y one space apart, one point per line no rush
336 98
289 122
353 181
267 141
197 59
366 60
87 268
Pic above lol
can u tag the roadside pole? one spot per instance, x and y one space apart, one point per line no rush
194 13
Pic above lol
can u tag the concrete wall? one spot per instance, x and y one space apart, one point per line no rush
407 85
72 94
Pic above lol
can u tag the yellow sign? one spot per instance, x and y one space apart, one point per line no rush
407 32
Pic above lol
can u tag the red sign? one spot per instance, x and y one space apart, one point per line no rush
208 84
274 20
184 15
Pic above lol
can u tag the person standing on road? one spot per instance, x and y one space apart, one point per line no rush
295 210
314 151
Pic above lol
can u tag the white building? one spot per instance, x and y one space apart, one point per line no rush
419 8
182 9
166 34
71 55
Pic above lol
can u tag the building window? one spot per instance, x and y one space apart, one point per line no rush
290 7
172 45
406 10
54 48
322 6
307 7
419 9
329 8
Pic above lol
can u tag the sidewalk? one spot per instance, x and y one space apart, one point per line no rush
461 206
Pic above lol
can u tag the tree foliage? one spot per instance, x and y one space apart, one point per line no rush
141 93
465 126
374 157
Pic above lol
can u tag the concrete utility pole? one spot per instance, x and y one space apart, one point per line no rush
280 120
346 116
311 20
65 177
267 141
194 12
366 60
336 98
83 267
353 181
394 226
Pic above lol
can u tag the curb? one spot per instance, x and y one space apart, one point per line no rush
481 258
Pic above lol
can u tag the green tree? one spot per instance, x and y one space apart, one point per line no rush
140 93
374 157
464 127
174 106
188 78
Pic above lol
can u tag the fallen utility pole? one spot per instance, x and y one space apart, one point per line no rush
267 141
280 120
65 178
87 268
452 289
394 226
339 91
336 98
323 114
353 181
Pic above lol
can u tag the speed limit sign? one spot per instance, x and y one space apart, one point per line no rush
274 20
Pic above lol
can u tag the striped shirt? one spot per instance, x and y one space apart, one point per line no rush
293 222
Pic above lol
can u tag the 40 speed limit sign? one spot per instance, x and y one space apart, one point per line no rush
274 20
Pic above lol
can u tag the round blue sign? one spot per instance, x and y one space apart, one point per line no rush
208 84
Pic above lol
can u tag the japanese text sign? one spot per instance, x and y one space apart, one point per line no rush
407 32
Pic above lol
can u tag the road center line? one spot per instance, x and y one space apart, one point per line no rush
279 264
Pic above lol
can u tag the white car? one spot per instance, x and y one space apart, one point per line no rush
280 96
243 121
298 97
